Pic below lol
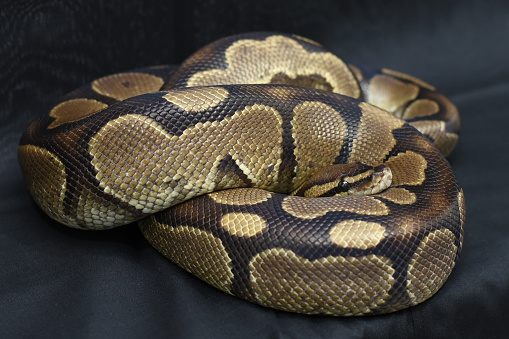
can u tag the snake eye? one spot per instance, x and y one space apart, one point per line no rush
344 186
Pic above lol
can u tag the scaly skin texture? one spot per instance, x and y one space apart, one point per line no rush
208 165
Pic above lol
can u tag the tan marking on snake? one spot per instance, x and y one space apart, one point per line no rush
404 76
357 234
125 85
389 93
444 140
306 40
74 110
371 148
272 56
243 224
98 213
407 169
318 190
359 176
130 155
399 196
284 280
420 108
197 251
310 208
431 265
240 197
462 209
326 141
45 178
197 99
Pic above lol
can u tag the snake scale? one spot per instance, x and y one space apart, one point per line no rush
269 168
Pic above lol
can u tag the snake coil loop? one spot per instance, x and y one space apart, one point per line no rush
268 167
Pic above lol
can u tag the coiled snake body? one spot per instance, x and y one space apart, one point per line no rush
244 166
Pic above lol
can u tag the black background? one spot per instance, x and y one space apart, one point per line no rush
61 282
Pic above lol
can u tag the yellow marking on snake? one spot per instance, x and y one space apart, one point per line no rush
197 99
430 265
444 140
310 208
399 196
240 197
404 76
407 169
45 178
369 148
243 224
197 251
357 234
272 57
327 141
284 280
130 155
389 93
125 85
420 108
74 110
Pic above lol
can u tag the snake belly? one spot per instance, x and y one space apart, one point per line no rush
205 157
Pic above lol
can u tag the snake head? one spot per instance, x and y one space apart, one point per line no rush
346 179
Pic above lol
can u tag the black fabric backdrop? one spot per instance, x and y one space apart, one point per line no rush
60 282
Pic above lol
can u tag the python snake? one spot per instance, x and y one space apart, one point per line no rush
268 167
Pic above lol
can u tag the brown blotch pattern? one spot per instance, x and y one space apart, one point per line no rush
389 93
312 81
197 251
125 85
327 139
243 224
420 108
407 168
45 178
197 99
240 197
431 264
357 234
131 156
74 110
282 279
371 148
444 140
310 208
257 62
404 76
399 196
